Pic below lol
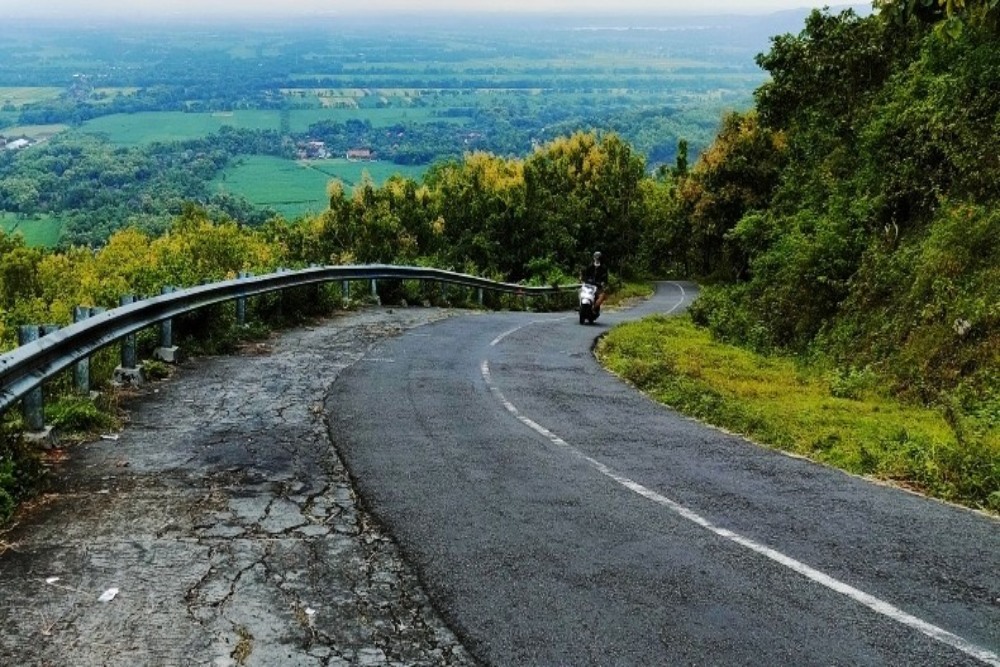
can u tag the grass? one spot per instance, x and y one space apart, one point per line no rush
298 188
778 402
35 132
18 96
40 232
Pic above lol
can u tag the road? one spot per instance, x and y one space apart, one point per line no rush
225 523
556 516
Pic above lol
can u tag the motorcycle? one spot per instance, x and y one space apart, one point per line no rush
588 297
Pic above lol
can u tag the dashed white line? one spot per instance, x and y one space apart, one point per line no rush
875 604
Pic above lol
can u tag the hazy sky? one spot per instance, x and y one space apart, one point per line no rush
20 8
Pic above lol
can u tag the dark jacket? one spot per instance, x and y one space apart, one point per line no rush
596 275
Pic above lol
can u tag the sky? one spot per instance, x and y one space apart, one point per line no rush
126 8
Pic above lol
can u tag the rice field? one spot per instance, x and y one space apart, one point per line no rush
39 232
147 127
298 188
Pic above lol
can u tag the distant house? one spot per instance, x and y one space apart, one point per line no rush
17 144
360 154
312 150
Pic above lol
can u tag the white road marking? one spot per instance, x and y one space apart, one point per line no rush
496 341
870 601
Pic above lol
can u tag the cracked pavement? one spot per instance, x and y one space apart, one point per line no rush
227 522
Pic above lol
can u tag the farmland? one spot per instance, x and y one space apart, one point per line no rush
149 126
294 188
41 231
16 97
222 115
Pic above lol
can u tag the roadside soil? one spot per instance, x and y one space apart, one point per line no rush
222 525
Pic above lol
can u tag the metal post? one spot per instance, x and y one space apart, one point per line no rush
32 405
374 287
167 326
480 296
241 304
345 291
129 360
81 372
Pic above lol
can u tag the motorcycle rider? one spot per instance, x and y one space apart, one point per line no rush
596 273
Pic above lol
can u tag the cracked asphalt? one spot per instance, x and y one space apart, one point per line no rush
224 524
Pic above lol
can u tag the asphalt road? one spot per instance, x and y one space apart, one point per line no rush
219 528
558 517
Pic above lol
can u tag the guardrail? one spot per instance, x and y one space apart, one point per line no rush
24 369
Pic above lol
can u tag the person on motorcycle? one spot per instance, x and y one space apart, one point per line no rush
596 273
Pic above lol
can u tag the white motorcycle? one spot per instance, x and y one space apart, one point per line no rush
588 297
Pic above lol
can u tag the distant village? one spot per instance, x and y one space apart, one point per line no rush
317 150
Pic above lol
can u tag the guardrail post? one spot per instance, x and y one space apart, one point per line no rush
241 303
375 292
479 296
345 292
32 404
167 351
81 371
129 371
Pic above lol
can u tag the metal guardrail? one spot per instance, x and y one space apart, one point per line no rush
27 367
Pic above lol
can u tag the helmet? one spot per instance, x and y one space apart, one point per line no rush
597 256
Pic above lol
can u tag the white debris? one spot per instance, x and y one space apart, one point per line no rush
108 595
52 580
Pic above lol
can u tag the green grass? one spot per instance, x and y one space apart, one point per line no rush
20 96
42 231
778 402
297 188
35 132
147 127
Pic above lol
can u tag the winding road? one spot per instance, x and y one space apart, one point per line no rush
556 516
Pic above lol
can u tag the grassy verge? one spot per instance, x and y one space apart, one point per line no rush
776 401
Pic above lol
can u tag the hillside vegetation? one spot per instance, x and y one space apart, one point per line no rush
852 217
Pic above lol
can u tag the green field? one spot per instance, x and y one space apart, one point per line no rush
35 132
297 188
20 96
42 231
142 128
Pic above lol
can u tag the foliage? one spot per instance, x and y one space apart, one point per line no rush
20 469
77 414
847 421
861 232
876 245
948 16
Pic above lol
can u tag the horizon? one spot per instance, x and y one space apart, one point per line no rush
257 9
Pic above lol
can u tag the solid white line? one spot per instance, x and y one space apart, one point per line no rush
870 601
499 339
496 341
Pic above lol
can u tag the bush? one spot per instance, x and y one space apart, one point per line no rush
78 414
21 470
